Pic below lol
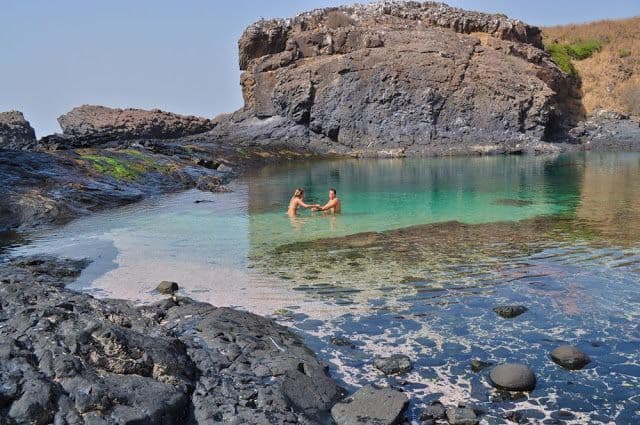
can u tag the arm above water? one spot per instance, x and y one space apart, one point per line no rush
303 205
328 206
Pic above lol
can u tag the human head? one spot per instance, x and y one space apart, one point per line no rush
299 193
332 193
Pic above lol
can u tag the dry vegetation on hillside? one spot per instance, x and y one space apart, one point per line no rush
611 74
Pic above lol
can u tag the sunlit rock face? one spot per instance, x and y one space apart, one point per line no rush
395 78
15 131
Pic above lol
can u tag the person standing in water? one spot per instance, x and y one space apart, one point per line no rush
334 205
297 201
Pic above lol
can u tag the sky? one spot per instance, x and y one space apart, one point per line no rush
180 56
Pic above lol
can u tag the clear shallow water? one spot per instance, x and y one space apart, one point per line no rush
424 250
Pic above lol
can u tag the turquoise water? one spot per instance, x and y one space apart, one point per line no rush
423 251
395 193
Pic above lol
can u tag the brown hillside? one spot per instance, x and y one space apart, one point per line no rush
611 76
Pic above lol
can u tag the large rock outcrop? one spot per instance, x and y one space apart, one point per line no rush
90 124
15 131
395 78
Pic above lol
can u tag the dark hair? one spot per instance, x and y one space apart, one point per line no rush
335 192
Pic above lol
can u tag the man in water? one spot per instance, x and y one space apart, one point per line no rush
333 206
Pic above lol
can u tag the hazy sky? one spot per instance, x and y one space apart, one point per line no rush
180 56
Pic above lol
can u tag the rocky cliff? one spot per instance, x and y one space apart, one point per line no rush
15 131
396 78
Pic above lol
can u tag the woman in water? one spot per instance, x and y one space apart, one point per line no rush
297 201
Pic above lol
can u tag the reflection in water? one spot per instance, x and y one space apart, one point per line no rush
424 250
610 196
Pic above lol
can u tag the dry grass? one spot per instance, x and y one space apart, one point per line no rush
337 19
611 76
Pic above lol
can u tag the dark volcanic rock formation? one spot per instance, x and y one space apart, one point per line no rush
395 78
89 124
15 132
68 358
42 187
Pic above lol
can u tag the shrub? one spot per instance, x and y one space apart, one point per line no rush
563 53
560 55
624 52
584 49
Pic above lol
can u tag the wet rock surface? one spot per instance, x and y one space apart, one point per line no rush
15 131
167 287
461 416
512 377
478 365
510 311
434 411
570 357
66 357
371 405
393 365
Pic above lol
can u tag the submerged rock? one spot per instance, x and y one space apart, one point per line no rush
393 365
513 202
510 311
342 341
569 357
370 405
478 365
15 131
512 377
167 287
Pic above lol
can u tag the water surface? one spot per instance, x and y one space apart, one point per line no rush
424 250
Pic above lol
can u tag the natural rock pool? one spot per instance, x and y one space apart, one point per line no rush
423 252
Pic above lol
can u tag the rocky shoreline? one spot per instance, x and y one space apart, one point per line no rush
68 358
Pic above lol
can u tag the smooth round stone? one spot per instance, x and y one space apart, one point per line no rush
166 287
510 311
393 365
569 357
512 377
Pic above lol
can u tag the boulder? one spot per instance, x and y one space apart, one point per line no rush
311 390
461 416
395 78
393 365
510 311
569 357
167 287
512 377
371 405
15 131
434 411
88 125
